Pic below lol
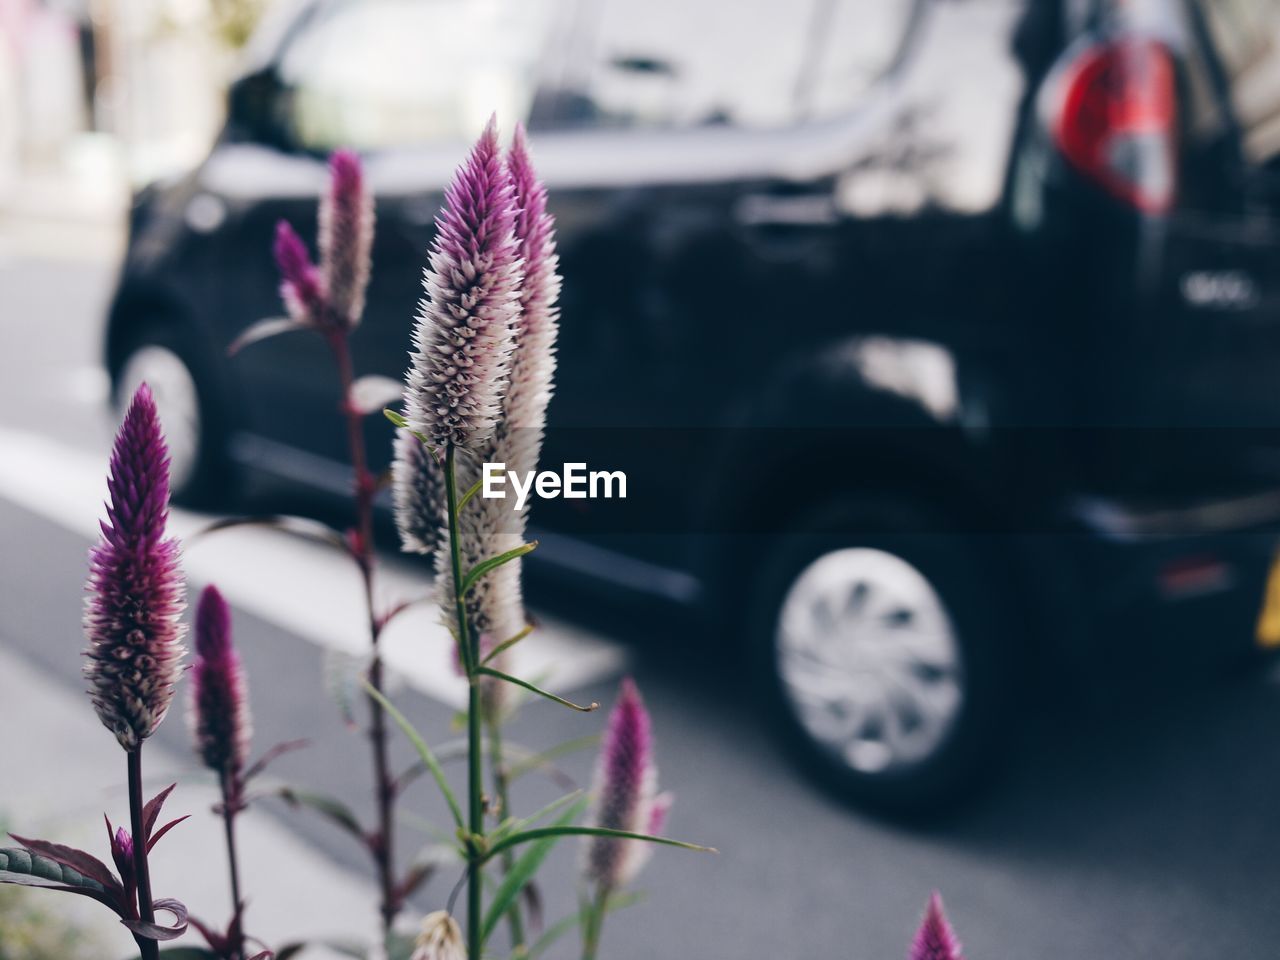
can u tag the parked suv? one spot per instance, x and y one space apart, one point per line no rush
931 335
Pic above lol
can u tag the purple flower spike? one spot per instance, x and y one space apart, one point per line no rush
625 791
935 939
137 592
301 283
464 334
219 694
346 238
534 362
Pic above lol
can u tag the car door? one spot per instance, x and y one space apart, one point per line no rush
397 81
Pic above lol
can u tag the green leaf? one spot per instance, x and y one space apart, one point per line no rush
329 807
485 566
524 868
490 672
542 761
618 901
538 833
424 752
514 825
403 424
507 644
471 492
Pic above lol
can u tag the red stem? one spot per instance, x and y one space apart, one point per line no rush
382 846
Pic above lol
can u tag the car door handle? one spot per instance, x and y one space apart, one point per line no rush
780 210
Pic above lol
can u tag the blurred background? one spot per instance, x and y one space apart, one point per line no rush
961 319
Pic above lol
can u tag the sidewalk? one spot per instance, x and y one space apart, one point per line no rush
295 892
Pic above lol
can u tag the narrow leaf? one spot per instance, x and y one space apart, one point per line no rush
522 871
303 527
331 808
424 752
485 566
507 644
155 837
563 831
263 330
279 750
403 424
471 492
524 823
489 671
25 869
151 811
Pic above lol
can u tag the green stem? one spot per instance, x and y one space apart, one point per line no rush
595 923
502 787
470 657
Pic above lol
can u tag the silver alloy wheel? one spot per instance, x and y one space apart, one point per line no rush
177 402
869 659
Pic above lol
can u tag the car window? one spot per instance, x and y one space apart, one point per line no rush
753 64
1246 37
382 73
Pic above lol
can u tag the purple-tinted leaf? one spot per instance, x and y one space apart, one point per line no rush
263 330
418 874
22 868
371 393
264 955
84 863
158 931
151 812
279 750
155 838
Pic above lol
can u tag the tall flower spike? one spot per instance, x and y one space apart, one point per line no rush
440 939
935 940
137 593
219 713
463 338
534 362
301 284
346 238
625 788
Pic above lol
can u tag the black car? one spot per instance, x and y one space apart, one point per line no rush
931 335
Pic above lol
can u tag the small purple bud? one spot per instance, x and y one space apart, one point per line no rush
346 238
625 789
137 593
301 284
935 940
464 333
219 712
122 855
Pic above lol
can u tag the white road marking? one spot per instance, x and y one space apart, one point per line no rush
308 590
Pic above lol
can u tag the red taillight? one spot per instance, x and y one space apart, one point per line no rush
1116 121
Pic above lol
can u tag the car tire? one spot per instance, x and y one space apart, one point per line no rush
868 605
193 412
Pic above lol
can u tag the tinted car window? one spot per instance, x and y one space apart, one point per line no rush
381 73
751 64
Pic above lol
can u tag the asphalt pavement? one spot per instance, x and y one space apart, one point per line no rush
1133 829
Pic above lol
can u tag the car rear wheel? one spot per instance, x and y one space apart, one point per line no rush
884 650
194 423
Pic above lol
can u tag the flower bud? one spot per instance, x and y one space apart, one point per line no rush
301 284
219 713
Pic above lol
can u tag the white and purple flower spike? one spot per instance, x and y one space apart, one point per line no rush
346 238
625 791
463 339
